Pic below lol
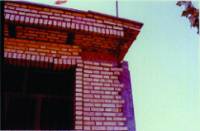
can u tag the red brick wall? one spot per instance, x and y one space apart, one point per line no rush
85 40
40 41
38 34
102 101
74 19
98 102
32 53
89 26
93 46
98 98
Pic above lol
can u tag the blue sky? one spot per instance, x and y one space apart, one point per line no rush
164 63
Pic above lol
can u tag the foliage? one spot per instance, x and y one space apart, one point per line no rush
191 13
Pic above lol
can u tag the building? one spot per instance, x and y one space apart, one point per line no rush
64 69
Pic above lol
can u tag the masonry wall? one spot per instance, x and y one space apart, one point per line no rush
103 98
98 101
108 29
102 101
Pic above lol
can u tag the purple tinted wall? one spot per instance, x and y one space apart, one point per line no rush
128 108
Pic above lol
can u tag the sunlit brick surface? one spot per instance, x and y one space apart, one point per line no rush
100 43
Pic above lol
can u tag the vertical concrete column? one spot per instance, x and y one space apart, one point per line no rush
128 108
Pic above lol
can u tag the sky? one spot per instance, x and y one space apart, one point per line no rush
164 63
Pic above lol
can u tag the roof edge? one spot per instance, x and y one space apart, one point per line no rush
140 24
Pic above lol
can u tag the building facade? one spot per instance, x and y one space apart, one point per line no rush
64 69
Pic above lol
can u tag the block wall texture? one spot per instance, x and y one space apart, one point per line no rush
103 100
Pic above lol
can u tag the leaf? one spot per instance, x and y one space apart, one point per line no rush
185 13
192 20
191 13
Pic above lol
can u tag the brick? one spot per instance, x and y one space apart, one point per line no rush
7 16
109 118
110 128
88 71
87 128
23 9
86 118
78 98
88 87
119 118
88 113
89 123
12 17
109 114
119 105
116 69
108 92
97 109
120 123
88 104
120 128
96 80
107 84
78 122
78 94
96 84
114 77
116 81
46 13
107 101
86 91
78 103
99 128
118 97
108 105
98 100
86 83
97 92
78 117
78 112
98 118
87 100
110 109
110 123
17 18
106 77
86 108
78 85
78 90
107 96
78 73
96 96
96 72
68 24
96 76
78 127
78 82
97 105
106 64
99 123
40 21
106 69
108 88
106 73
